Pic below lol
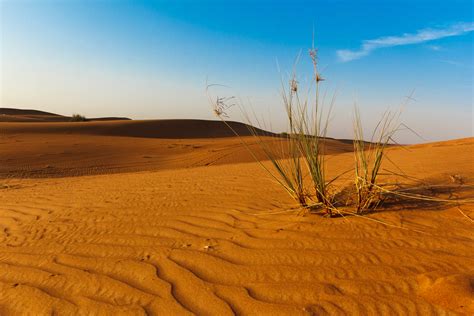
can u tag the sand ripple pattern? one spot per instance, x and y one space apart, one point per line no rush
199 242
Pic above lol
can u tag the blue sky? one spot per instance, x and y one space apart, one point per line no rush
150 59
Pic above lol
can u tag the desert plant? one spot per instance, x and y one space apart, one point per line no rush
304 146
303 143
368 158
312 127
78 118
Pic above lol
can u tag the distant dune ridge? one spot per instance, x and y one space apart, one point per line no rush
28 115
64 148
119 126
113 126
178 129
26 112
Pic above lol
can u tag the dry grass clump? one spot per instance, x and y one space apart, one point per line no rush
303 143
312 128
368 158
303 173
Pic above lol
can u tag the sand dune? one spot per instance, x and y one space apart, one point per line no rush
20 115
173 129
194 226
111 126
85 148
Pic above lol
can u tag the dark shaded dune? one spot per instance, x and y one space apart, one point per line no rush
20 115
39 144
112 118
33 118
84 148
171 129
26 112
13 118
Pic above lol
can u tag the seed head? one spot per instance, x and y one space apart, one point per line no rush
313 53
222 105
294 85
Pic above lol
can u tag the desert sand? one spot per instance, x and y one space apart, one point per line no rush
176 218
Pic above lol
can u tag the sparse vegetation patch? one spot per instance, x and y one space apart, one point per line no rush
78 118
303 173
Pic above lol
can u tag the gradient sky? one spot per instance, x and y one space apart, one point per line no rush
150 59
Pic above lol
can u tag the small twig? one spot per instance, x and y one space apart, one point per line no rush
461 211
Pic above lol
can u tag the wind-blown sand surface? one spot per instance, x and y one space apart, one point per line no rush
113 224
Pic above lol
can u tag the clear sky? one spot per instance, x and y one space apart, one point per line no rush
150 59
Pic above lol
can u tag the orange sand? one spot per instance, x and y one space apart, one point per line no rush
126 225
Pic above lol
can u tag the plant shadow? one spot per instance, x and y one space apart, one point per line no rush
426 197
